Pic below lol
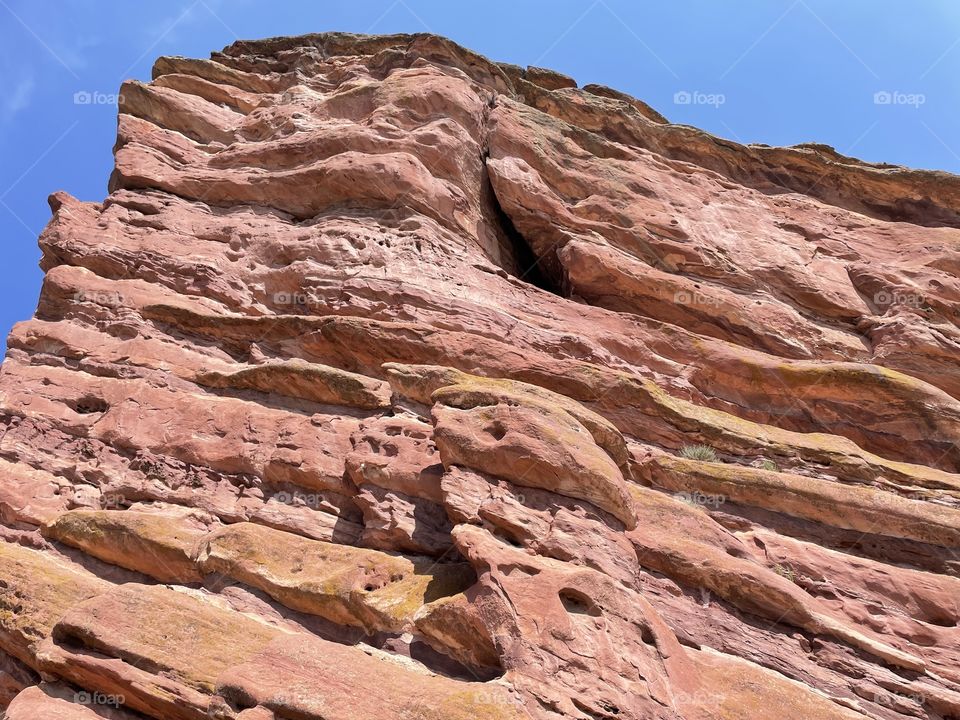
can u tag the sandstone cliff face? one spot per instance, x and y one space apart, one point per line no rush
392 382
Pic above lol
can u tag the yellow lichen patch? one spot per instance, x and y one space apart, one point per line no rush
309 381
852 507
35 591
476 391
492 704
800 374
639 407
733 689
161 545
736 435
301 676
452 626
347 585
420 382
166 631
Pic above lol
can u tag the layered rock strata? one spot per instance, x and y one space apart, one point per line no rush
389 381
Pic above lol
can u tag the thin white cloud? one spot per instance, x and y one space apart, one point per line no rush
15 99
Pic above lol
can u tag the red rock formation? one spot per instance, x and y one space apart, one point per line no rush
393 382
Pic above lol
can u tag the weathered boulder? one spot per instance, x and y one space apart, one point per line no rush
347 585
527 442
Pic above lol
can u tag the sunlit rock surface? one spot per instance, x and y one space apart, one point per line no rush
392 382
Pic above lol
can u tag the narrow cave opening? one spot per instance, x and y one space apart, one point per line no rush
89 405
576 603
529 267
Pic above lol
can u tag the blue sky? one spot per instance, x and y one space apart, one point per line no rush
774 71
